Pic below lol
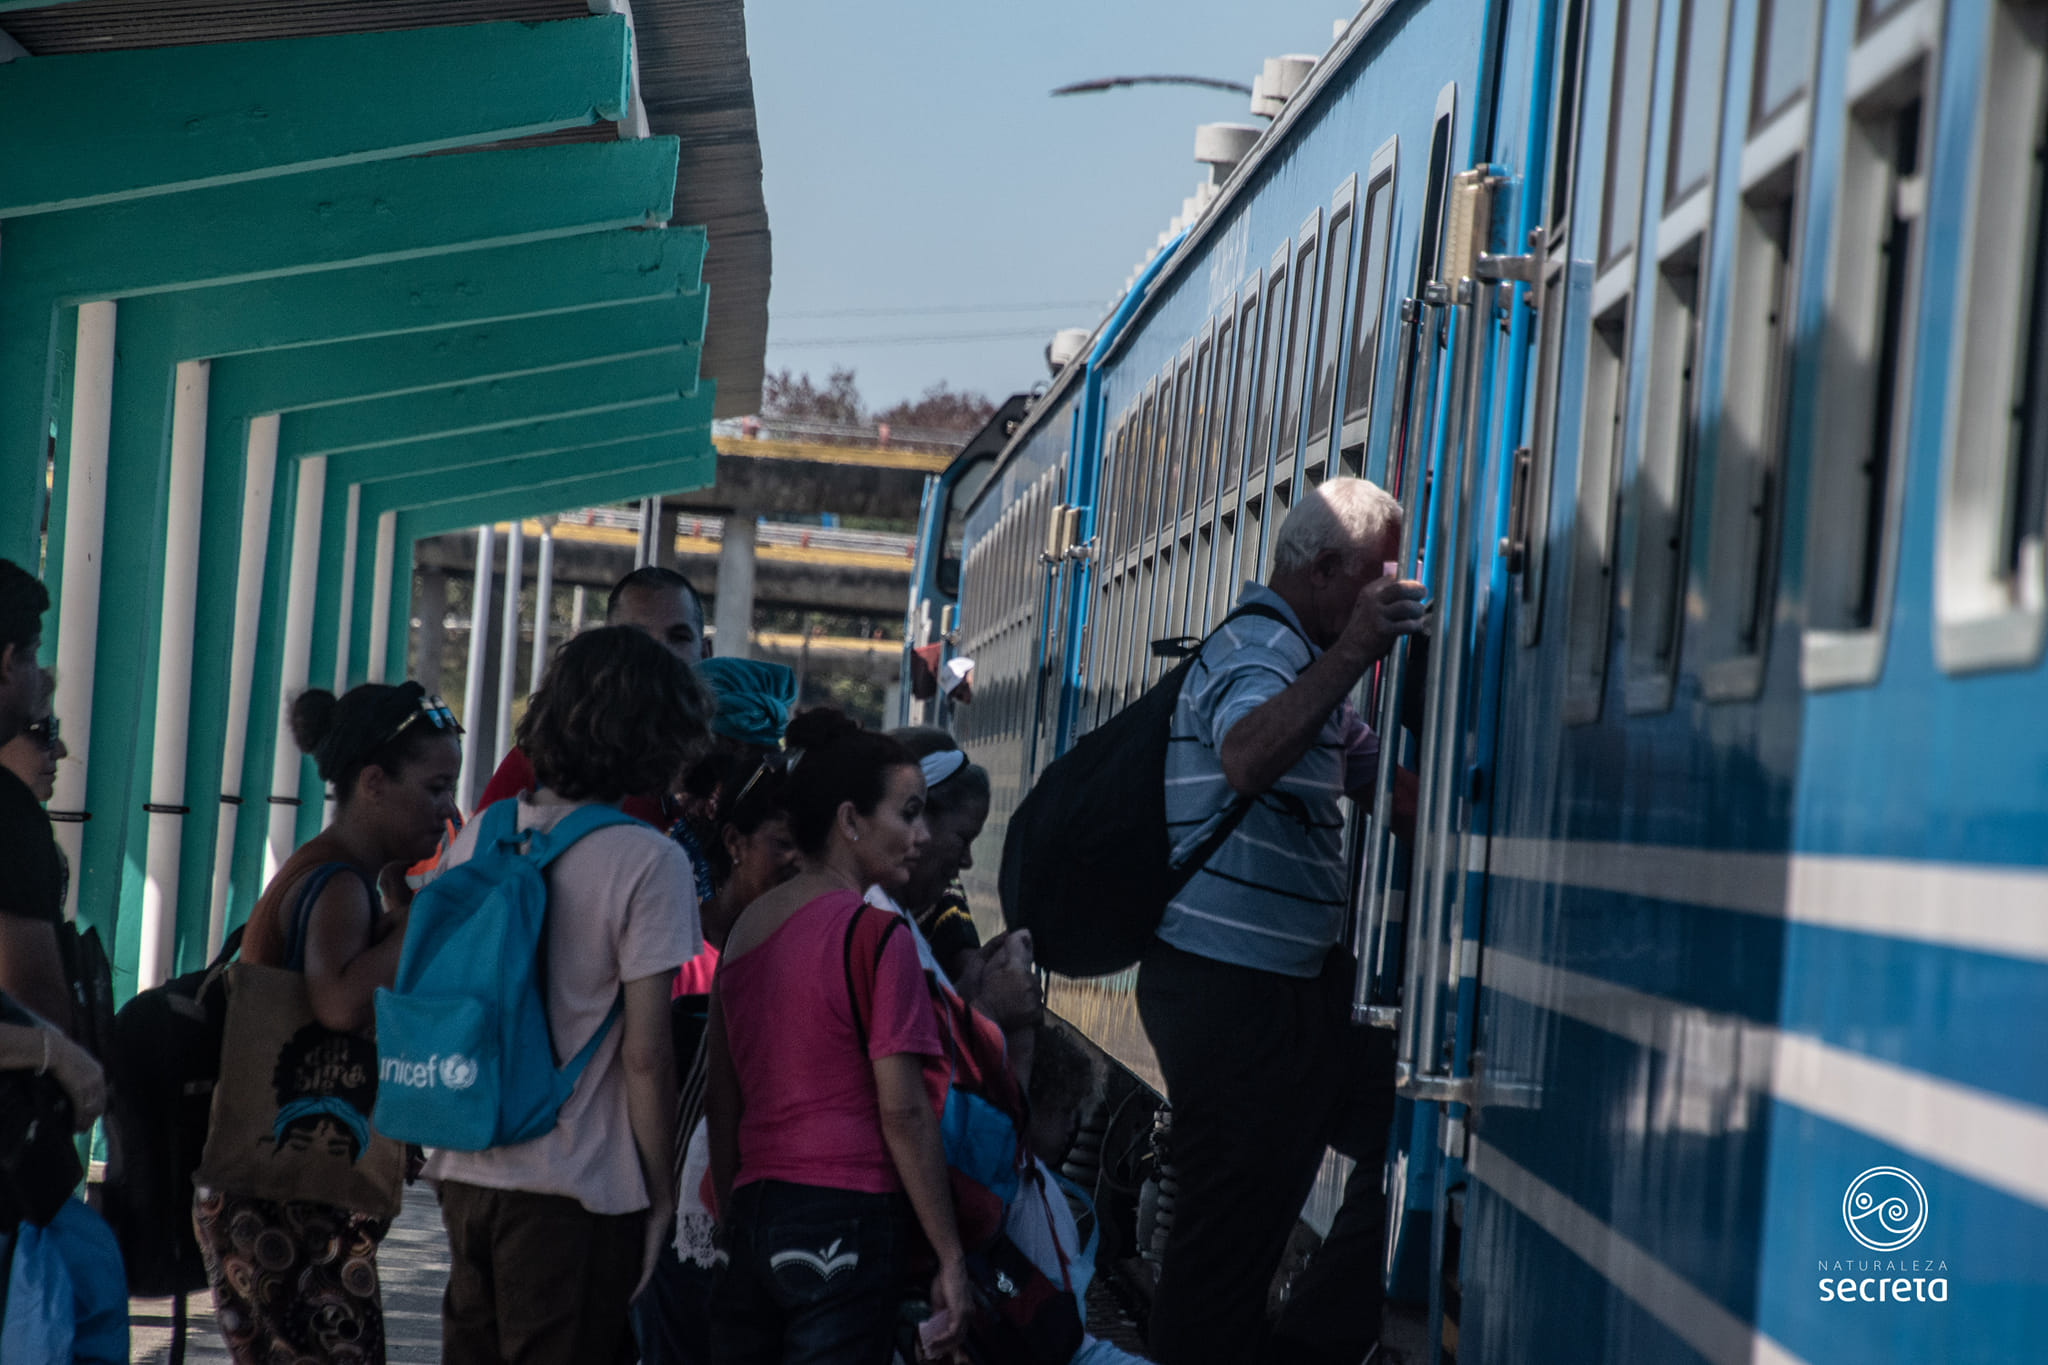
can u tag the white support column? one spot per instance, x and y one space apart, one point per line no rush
346 628
734 616
380 598
577 606
259 480
466 785
649 513
297 661
157 949
543 603
508 641
78 626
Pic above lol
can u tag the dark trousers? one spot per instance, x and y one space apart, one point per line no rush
815 1276
1264 1072
535 1279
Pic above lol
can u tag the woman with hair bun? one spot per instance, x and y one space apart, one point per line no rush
821 1120
297 1280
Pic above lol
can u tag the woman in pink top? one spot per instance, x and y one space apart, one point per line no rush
825 1149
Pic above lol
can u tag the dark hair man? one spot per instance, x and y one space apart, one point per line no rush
1246 992
32 883
661 603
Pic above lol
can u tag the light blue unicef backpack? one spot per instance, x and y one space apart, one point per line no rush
465 1057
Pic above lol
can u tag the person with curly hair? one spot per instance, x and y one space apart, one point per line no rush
550 1239
297 1279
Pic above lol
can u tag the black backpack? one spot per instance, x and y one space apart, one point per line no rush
1087 864
162 1068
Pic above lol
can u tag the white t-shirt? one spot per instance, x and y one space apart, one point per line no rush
622 905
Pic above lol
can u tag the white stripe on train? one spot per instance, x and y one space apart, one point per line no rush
1660 1291
1973 906
1720 1059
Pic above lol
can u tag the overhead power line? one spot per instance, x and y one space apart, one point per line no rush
1010 334
1100 84
941 309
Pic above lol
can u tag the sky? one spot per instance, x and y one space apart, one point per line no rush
922 183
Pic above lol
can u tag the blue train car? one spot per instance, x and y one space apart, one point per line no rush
1706 342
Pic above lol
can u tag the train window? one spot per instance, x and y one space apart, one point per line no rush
1784 56
1598 508
1336 286
1217 403
1875 12
1696 102
1301 342
1749 452
1179 454
1144 472
1436 190
1628 127
1188 434
1564 112
1664 484
1201 439
1864 380
1991 566
1269 362
1244 374
1375 237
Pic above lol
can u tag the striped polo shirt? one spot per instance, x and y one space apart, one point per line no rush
1273 897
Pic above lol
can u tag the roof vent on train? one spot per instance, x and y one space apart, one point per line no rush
1220 146
1066 346
1277 82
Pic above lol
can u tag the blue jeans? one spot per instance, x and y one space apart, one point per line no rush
816 1276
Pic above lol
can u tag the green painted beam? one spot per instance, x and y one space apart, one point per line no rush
94 128
666 476
532 471
527 438
417 417
300 377
549 283
246 385
663 478
321 220
148 349
346 215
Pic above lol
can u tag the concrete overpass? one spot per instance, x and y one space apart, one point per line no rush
806 567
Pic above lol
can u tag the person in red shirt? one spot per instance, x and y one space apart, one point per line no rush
662 603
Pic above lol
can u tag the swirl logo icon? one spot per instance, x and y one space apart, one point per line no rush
1885 1208
459 1072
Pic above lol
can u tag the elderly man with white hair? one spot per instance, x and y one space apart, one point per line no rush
1246 991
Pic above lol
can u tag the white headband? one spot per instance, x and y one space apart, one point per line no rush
941 765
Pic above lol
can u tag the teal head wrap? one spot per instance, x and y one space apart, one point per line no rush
754 699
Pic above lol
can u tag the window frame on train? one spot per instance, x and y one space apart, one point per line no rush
1289 467
1603 405
1261 501
1745 501
1681 230
1326 352
1851 562
1360 381
1991 610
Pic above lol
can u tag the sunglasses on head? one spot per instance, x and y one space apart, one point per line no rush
434 712
43 732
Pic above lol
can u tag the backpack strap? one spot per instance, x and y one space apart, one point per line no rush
302 910
1186 868
860 989
543 847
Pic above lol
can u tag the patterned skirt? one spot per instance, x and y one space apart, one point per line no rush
292 1282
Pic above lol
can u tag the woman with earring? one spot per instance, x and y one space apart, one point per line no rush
822 1116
